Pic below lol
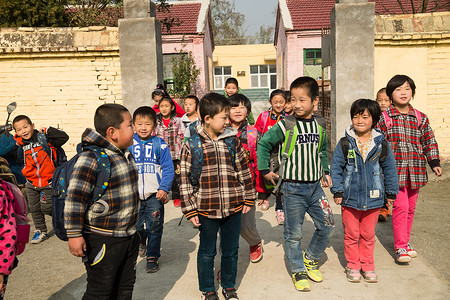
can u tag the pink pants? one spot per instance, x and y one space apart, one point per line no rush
359 226
403 215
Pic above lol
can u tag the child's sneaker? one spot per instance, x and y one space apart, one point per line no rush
256 253
176 202
312 269
411 251
210 296
230 294
264 204
142 250
38 237
280 217
152 265
401 255
301 282
370 276
353 275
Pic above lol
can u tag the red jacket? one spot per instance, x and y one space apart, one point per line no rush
38 166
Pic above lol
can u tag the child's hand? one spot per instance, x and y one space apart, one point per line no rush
437 171
161 195
43 130
390 202
338 201
246 209
77 246
270 176
195 221
326 181
1 281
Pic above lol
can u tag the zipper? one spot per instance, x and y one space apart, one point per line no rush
218 173
34 156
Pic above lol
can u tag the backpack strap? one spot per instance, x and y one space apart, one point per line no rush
42 139
231 145
345 145
252 136
156 147
103 171
195 144
384 151
418 117
387 120
288 146
264 117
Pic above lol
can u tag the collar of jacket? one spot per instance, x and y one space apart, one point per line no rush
91 137
229 131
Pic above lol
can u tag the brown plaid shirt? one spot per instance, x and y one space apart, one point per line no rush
222 190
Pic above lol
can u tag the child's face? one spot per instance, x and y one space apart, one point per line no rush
217 124
123 136
362 123
165 108
231 89
189 106
24 129
144 126
157 98
238 114
288 107
402 94
278 102
383 100
302 103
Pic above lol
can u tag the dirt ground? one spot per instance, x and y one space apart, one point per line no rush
49 271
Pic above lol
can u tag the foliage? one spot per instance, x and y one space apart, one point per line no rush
185 73
421 6
85 13
227 24
32 13
263 36
168 22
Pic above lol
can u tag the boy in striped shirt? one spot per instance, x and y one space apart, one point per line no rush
302 182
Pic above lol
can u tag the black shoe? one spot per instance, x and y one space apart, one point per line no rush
209 296
230 294
152 265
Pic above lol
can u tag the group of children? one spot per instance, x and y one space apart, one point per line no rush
214 162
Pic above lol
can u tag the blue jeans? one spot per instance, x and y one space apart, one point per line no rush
151 213
229 228
298 199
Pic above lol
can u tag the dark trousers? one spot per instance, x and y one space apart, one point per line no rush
151 213
176 180
113 275
229 229
40 204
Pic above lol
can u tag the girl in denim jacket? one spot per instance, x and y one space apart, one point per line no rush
359 186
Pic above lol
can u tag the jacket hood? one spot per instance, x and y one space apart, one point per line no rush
90 137
229 131
377 136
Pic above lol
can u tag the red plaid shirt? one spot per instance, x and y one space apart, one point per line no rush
413 145
172 135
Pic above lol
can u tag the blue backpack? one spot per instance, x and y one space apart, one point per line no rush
61 156
195 144
60 183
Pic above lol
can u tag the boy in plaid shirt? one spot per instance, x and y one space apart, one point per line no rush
224 193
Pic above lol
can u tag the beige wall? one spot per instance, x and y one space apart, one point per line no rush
240 57
418 46
62 92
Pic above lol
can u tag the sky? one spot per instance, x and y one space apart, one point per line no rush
257 13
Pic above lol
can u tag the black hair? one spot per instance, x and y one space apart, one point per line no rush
397 81
278 92
307 83
108 115
20 118
212 104
382 90
160 91
372 107
193 97
172 105
233 81
145 111
237 99
288 96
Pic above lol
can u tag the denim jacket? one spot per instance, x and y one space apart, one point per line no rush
360 183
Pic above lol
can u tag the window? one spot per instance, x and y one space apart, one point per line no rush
312 57
263 76
221 74
168 69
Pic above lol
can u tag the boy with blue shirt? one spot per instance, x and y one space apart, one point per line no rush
301 185
155 169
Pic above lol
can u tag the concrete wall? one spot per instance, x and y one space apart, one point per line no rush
418 46
240 57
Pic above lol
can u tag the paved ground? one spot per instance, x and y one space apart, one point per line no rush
48 271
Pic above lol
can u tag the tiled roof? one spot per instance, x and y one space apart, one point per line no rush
313 14
187 13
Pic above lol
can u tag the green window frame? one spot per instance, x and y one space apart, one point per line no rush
312 57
